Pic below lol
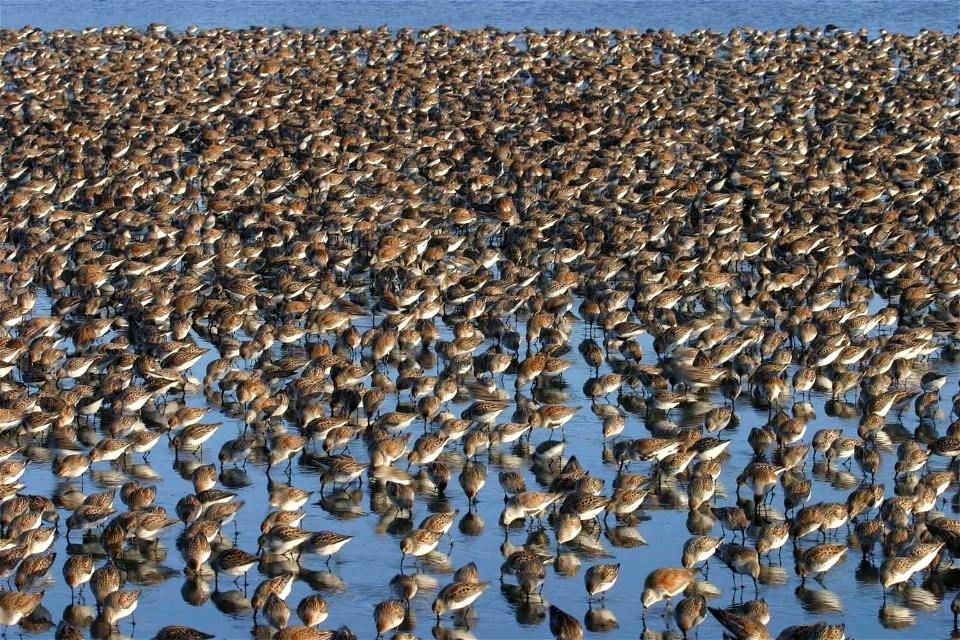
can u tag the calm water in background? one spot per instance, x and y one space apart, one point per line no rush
906 16
359 577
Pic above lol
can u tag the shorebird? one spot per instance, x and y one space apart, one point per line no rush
283 539
15 605
457 596
181 632
234 563
563 626
528 503
352 250
897 570
741 560
815 631
388 615
120 604
817 560
419 542
663 584
276 611
327 543
279 586
77 571
699 549
600 578
312 610
690 613
740 626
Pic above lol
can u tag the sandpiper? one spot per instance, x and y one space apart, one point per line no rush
312 610
740 626
276 611
120 604
563 626
234 562
388 615
897 570
437 251
279 586
663 584
600 578
327 543
283 539
181 632
741 560
814 631
690 613
457 596
699 549
528 503
77 571
419 542
15 606
817 559
772 537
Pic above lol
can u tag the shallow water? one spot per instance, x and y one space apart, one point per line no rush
358 576
904 16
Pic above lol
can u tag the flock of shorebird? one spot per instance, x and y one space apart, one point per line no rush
367 228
